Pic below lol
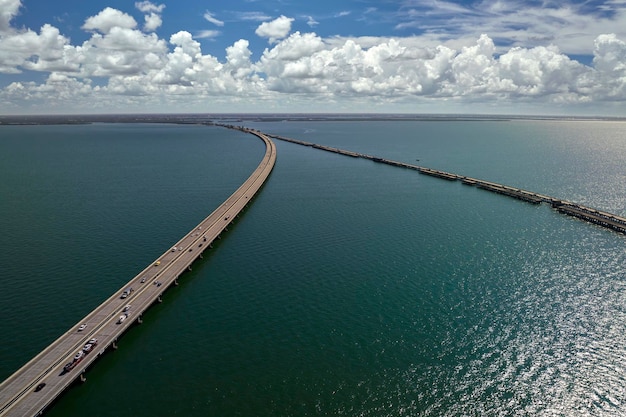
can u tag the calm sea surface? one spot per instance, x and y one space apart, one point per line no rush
346 288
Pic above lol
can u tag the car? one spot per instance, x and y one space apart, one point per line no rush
82 327
126 292
143 280
174 249
127 307
157 263
87 348
40 386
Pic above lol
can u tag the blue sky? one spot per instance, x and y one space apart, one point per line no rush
411 56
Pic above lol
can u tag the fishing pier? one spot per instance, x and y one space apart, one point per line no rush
588 214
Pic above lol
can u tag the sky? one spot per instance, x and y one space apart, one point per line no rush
523 57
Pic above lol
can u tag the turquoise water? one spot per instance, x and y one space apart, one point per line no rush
346 288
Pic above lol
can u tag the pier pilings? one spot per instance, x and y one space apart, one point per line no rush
588 214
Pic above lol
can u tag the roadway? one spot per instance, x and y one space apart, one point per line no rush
17 393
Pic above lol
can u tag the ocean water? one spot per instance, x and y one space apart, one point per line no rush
346 288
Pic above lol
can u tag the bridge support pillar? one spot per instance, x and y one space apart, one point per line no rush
159 298
176 282
189 268
201 255
82 378
114 344
139 319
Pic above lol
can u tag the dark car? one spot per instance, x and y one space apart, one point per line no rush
40 387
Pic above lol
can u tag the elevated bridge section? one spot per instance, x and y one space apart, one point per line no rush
21 394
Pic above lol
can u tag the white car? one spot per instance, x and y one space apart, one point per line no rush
82 327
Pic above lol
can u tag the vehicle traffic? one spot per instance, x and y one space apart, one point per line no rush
127 292
90 345
75 361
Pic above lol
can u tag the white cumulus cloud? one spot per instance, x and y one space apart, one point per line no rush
123 67
109 18
47 50
277 29
8 10
153 22
149 7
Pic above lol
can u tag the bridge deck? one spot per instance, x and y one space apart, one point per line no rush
17 393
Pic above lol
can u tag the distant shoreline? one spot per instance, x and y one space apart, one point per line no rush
209 119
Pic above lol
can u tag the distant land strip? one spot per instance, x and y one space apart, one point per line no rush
210 118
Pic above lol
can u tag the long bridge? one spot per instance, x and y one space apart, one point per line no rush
21 394
588 214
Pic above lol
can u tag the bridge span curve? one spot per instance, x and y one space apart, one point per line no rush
19 393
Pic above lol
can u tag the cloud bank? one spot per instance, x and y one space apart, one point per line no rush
123 66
